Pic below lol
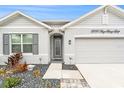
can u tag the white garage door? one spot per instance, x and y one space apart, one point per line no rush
99 50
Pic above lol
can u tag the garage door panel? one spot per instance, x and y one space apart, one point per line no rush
99 50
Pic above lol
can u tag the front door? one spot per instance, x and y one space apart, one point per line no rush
57 48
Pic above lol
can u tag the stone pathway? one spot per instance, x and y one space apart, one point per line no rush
74 83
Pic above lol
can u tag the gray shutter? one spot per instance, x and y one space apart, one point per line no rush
6 42
35 44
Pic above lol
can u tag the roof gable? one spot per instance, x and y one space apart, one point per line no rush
18 13
119 12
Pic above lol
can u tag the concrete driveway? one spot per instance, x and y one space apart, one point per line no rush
103 75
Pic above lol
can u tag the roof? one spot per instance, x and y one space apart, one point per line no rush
16 13
119 11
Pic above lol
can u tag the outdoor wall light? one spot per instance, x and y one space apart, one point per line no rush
70 58
69 42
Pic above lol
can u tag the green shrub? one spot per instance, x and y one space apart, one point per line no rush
11 82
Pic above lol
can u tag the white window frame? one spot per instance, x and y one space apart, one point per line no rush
20 43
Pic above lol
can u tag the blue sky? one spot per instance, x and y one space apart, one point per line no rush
50 12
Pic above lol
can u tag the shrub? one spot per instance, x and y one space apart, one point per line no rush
11 82
37 73
2 72
21 67
14 59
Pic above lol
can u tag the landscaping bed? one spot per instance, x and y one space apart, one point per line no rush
31 81
18 74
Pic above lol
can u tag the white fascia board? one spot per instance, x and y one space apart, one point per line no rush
18 12
100 36
6 17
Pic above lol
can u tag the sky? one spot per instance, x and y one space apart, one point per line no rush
50 12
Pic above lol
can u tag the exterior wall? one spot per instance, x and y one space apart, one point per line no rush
69 50
84 27
93 19
115 20
43 44
43 40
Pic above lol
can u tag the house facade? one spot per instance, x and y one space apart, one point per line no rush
96 37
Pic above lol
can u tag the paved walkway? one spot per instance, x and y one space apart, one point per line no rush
69 78
54 71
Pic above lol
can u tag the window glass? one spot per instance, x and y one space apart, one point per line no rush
27 38
16 38
16 48
27 48
22 43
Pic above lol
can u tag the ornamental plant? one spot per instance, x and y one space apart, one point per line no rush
11 82
37 73
14 59
14 63
2 72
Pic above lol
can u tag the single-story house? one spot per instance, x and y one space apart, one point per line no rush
96 37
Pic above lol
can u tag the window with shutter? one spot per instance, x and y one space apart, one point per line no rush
26 43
